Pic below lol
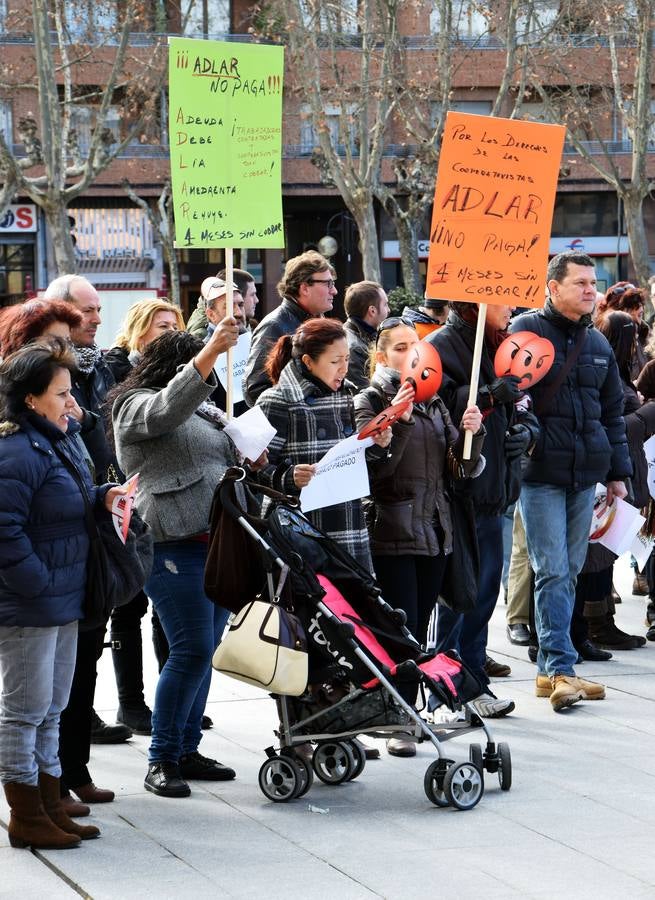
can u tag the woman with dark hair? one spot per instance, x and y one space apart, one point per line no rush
626 297
311 408
409 515
44 547
34 319
166 429
595 581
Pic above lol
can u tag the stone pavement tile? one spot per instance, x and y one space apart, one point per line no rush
633 857
554 869
24 875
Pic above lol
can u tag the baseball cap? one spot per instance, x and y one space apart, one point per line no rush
214 287
434 304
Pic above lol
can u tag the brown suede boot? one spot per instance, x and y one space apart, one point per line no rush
592 690
29 826
49 787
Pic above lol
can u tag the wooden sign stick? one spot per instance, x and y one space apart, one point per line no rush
229 311
475 373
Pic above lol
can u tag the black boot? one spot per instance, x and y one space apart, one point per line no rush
602 629
126 651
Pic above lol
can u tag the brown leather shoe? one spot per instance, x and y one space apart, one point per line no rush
397 746
591 689
74 808
494 669
49 787
89 793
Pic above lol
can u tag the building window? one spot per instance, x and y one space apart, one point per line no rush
6 126
470 20
340 126
3 15
201 18
84 119
475 107
625 129
90 19
338 17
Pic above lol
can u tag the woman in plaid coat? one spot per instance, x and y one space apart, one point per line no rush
311 408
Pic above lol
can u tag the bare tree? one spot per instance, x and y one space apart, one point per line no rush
618 91
340 61
55 168
162 224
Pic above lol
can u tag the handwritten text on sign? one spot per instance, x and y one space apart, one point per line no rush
225 126
493 210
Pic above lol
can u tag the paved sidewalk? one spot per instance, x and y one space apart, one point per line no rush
577 823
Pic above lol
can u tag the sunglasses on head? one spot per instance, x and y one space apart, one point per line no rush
620 291
394 322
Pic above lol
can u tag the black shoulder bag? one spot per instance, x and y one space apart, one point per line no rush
115 572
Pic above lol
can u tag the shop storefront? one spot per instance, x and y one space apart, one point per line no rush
18 252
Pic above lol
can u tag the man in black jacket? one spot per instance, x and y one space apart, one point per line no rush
511 431
580 408
366 306
307 290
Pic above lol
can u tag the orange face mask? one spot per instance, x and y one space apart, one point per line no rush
423 370
525 355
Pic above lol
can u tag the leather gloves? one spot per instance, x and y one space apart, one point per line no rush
517 440
501 390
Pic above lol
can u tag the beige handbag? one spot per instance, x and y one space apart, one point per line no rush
265 646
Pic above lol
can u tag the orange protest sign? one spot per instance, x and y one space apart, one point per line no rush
493 210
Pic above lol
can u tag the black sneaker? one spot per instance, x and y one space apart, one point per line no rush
101 733
197 767
164 779
207 723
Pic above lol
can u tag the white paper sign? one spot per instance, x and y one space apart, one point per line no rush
251 433
240 353
614 526
641 549
341 475
649 451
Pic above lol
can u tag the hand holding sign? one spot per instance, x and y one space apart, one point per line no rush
526 356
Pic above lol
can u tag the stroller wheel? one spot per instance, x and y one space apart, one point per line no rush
280 779
505 767
359 757
475 756
433 782
334 762
463 785
305 770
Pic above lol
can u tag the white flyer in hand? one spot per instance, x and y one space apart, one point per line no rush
614 526
251 433
641 549
121 507
240 353
341 475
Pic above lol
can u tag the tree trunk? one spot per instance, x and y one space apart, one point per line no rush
634 219
174 271
364 217
408 244
56 215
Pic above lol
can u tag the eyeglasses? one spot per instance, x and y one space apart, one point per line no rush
329 281
393 322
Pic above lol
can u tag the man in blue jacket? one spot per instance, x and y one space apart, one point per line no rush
582 441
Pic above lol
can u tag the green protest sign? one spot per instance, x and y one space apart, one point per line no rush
225 127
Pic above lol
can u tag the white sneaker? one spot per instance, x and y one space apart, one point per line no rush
488 706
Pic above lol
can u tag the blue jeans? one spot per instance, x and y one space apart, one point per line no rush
36 671
193 626
557 524
468 633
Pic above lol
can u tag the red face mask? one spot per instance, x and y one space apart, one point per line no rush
422 369
525 355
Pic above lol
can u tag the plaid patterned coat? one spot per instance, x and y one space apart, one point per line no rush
309 419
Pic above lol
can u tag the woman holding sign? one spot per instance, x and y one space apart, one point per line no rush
311 408
166 430
409 514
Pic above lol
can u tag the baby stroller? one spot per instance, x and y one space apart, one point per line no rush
362 658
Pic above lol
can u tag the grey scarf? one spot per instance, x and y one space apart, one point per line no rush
87 358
